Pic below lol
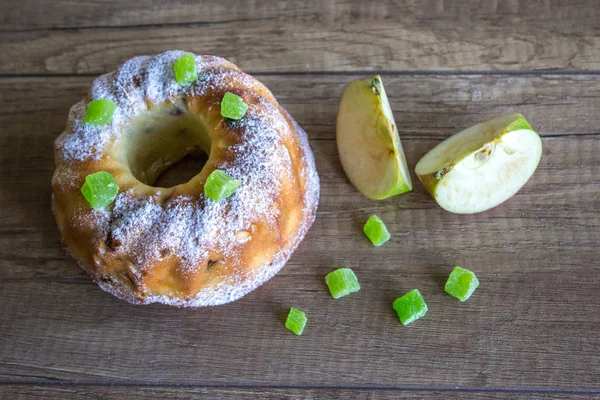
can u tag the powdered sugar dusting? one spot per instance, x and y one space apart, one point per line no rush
220 77
97 219
85 141
138 81
185 226
130 87
144 229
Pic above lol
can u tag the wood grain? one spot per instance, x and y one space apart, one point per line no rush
34 113
518 321
299 37
530 330
559 207
536 257
425 107
117 13
60 392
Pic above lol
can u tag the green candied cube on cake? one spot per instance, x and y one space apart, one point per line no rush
99 112
342 282
219 185
233 107
296 321
185 69
410 307
461 283
376 230
100 189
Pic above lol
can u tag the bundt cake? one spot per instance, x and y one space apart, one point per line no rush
177 245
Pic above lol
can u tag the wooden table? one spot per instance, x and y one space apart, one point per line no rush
531 331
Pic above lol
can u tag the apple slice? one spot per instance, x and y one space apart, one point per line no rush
368 141
482 166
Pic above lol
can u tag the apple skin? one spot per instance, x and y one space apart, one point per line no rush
432 180
368 141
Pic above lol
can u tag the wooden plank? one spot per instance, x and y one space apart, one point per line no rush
296 37
118 13
536 257
427 109
528 330
61 392
566 182
535 311
33 15
539 319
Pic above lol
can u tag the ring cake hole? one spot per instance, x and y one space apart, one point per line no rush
182 171
166 146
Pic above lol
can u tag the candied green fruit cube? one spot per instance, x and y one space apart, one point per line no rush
342 282
233 107
376 230
219 185
461 283
410 307
99 112
100 189
185 69
296 320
